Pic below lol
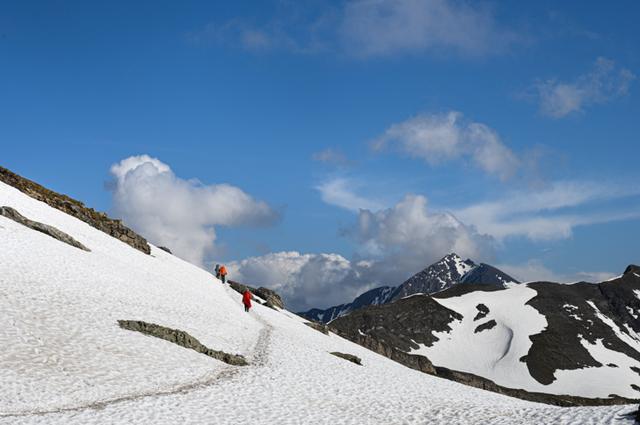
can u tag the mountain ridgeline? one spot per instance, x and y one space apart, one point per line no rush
439 276
540 341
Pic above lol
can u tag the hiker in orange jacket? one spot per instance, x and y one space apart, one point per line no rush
223 274
246 300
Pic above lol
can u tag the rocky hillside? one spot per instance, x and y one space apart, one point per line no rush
375 296
110 335
546 338
437 277
443 274
75 209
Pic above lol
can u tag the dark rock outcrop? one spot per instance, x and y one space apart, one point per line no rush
553 399
349 357
483 310
14 215
272 299
165 249
401 325
486 274
76 209
320 327
575 313
571 316
182 339
485 326
375 296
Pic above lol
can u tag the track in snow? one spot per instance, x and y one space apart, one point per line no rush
259 357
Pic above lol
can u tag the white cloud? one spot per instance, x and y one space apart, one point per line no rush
548 213
331 156
536 271
387 27
393 244
340 192
306 280
181 214
603 83
409 236
436 138
367 28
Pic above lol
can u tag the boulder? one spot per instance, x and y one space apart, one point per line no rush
14 215
182 339
349 357
271 297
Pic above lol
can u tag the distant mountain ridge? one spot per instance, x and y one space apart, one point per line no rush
449 271
375 296
538 341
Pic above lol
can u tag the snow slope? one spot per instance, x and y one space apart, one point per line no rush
64 360
495 353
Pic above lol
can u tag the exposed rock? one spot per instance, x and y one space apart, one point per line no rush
76 209
558 346
402 324
41 227
485 326
632 268
164 248
412 361
483 310
437 277
450 272
398 328
240 287
486 274
553 399
375 296
320 327
350 357
271 297
182 339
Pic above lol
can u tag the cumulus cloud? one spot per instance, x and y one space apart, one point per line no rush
603 83
341 192
437 138
387 27
408 236
181 214
549 213
306 280
393 243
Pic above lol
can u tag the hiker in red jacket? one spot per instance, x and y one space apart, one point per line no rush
246 300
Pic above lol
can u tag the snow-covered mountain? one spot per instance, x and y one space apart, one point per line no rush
580 339
68 358
443 274
437 277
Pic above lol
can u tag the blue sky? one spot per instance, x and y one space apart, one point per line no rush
323 118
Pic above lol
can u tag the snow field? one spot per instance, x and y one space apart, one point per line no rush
64 360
